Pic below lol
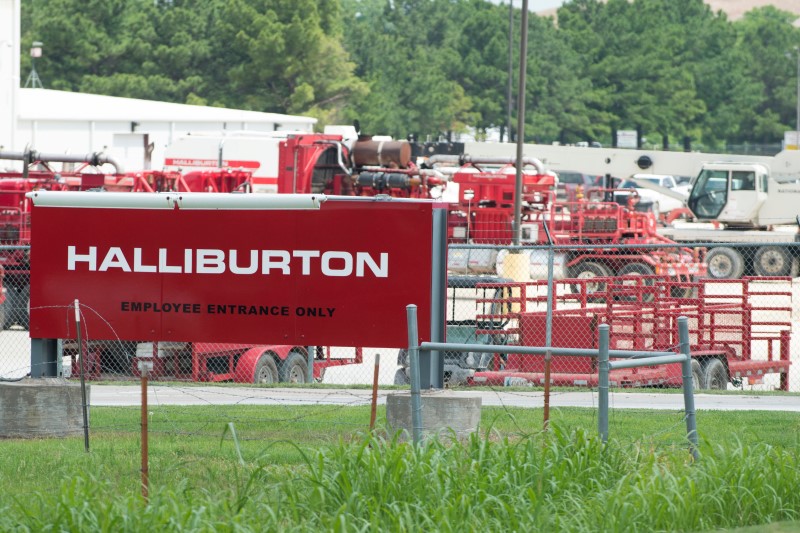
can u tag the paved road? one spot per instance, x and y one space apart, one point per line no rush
129 395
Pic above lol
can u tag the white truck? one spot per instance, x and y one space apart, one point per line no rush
744 208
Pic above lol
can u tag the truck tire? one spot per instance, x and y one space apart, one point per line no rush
294 369
697 375
17 306
774 261
401 377
266 371
10 305
25 306
715 375
638 269
588 270
724 263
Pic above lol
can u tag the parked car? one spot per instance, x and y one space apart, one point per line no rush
572 184
649 199
684 185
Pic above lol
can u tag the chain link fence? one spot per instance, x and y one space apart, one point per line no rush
742 327
739 298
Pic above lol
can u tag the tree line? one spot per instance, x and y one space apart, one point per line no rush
673 69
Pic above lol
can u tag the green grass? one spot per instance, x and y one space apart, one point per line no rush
314 468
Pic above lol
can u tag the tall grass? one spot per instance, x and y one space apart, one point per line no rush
564 480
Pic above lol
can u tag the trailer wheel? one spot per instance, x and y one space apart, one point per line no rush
294 369
724 263
697 375
715 375
266 370
638 269
678 291
774 261
587 270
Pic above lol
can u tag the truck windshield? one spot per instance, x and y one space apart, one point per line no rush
709 194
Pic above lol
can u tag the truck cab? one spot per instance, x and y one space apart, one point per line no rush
730 193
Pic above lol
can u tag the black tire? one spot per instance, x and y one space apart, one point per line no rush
25 305
715 375
697 375
774 261
679 291
10 305
401 377
683 292
18 306
588 270
402 357
638 269
266 371
294 369
724 263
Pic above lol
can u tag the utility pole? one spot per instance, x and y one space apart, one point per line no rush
510 67
797 119
523 67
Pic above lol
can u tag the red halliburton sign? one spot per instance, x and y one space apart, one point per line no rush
185 267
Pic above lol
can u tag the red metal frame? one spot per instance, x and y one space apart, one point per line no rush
642 312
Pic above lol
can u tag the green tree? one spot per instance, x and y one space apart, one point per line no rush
765 44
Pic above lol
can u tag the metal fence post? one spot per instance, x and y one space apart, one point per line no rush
602 417
413 354
688 387
548 329
310 363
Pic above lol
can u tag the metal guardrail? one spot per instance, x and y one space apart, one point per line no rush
631 359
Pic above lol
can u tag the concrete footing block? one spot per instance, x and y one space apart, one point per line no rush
42 407
445 414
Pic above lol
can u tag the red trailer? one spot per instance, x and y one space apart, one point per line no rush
739 330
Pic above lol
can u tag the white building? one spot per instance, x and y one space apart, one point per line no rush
133 132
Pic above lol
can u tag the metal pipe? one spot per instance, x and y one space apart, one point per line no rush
438 296
466 159
95 159
413 354
688 387
374 410
310 364
83 379
220 149
648 361
548 336
603 368
339 156
538 350
145 451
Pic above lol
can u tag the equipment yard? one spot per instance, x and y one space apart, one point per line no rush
15 343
